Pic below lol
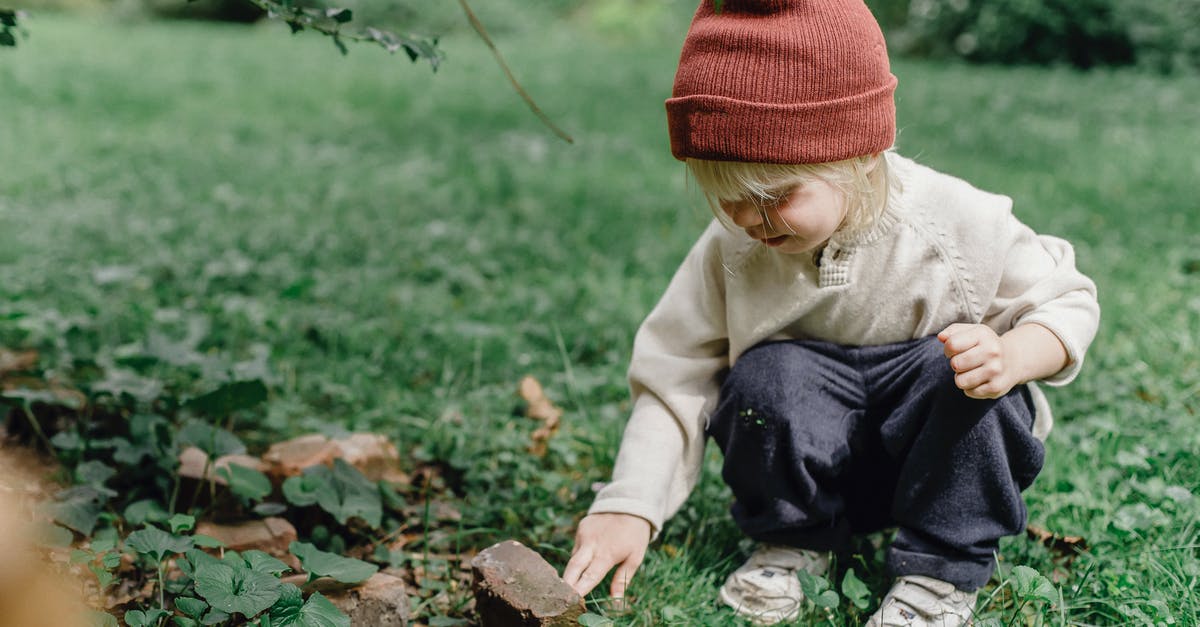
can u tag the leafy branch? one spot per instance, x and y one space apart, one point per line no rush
9 26
331 22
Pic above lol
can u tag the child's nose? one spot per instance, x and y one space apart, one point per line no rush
744 214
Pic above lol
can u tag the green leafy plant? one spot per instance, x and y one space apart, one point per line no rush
9 27
245 585
342 491
319 563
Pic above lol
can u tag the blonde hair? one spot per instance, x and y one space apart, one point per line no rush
864 181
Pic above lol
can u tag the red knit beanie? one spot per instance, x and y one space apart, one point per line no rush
782 81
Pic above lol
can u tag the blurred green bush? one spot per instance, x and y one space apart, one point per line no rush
1159 34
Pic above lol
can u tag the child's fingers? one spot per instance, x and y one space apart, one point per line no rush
969 381
576 566
593 574
958 337
981 355
622 577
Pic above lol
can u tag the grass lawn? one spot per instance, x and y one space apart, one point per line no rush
392 250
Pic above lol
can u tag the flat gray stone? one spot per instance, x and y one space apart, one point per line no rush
381 601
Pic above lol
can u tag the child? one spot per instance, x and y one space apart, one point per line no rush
857 332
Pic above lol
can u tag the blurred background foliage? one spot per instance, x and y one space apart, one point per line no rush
1163 35
1159 35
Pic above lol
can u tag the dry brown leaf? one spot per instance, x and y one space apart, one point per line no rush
539 407
17 361
1064 546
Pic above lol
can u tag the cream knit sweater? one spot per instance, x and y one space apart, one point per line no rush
942 252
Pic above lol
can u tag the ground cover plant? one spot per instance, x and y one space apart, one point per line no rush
356 244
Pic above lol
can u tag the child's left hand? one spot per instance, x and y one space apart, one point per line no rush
977 355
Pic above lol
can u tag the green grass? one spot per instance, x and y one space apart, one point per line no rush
408 245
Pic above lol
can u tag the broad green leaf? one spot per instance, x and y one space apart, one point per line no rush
139 618
214 617
342 491
180 523
67 440
1030 585
319 612
357 496
54 536
102 543
263 563
811 584
120 382
207 542
79 508
287 608
111 560
125 452
183 621
594 620
391 498
97 618
855 590
214 441
817 590
104 576
236 589
229 398
198 558
94 473
290 611
157 543
318 563
145 511
149 435
247 483
191 606
301 491
827 599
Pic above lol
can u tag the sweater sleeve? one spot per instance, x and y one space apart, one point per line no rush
1040 284
678 355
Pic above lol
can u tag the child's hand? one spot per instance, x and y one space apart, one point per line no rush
987 365
601 542
978 358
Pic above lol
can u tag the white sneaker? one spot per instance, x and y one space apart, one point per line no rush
916 601
765 589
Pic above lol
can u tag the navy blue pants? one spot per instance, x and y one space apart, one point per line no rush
822 441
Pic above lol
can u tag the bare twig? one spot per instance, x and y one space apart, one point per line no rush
483 34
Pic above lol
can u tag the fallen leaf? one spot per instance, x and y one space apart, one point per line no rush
539 407
1064 546
17 361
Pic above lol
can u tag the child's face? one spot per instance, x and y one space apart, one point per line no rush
801 220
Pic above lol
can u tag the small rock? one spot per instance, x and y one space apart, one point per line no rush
515 587
381 601
269 535
192 461
291 457
372 454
